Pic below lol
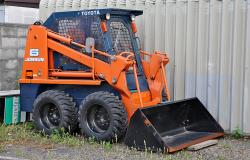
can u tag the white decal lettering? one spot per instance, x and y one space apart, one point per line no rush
34 60
91 13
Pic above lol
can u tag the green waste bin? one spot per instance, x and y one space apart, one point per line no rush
10 110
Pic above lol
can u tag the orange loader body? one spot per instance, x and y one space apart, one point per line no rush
152 123
42 72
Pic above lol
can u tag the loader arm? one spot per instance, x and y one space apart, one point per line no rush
113 73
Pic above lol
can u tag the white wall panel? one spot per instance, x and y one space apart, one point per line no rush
102 3
214 56
208 42
84 4
246 102
68 5
170 43
23 15
238 64
159 26
225 63
180 49
76 4
93 3
202 52
60 5
191 48
130 4
149 27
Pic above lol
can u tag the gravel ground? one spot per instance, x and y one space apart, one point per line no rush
227 148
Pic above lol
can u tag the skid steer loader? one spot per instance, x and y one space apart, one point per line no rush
86 68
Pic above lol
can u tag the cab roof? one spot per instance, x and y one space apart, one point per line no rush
99 12
92 12
113 11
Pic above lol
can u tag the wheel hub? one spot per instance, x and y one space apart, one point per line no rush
50 115
98 119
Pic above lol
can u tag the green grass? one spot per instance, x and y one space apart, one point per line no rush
107 145
25 133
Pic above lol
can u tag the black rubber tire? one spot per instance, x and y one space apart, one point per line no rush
118 120
63 103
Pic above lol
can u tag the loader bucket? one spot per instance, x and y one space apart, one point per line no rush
171 126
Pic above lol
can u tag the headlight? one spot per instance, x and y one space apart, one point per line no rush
107 16
132 17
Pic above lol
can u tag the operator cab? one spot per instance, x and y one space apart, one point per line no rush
109 30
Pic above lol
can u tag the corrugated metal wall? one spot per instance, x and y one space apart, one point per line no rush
208 42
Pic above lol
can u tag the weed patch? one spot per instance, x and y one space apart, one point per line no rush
237 133
106 145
